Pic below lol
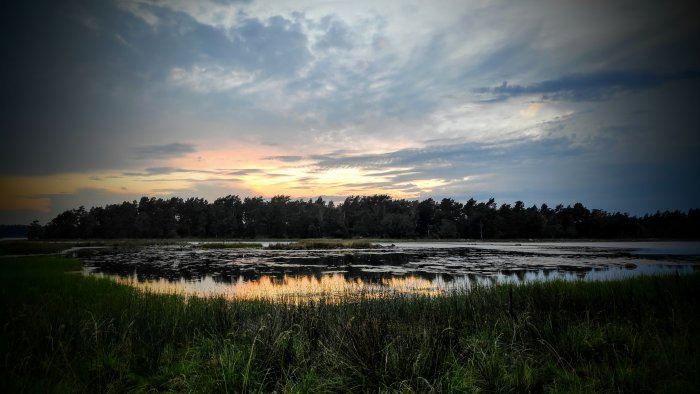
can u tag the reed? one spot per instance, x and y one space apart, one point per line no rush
66 332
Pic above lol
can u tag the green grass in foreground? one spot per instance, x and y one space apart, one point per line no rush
65 332
324 244
229 245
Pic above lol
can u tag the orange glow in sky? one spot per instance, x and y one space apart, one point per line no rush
246 170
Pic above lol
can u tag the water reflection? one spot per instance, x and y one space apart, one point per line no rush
344 274
287 288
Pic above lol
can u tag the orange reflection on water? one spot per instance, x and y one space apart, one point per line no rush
329 287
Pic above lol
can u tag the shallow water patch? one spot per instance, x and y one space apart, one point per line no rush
404 268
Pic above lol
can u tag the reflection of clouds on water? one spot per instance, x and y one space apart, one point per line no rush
408 268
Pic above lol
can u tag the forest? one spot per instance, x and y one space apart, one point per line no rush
377 216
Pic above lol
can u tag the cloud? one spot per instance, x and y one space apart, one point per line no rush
210 79
337 35
156 171
474 154
285 158
460 168
414 90
196 54
165 151
591 86
243 171
167 170
277 45
232 2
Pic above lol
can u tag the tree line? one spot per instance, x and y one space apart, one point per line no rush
377 216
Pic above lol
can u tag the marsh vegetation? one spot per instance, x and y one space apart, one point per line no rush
67 332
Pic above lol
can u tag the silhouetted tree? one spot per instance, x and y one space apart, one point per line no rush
377 216
35 230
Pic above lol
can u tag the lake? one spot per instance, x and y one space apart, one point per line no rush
430 268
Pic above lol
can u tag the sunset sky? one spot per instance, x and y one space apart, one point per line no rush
541 101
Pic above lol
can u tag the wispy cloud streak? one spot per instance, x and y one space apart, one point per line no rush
591 86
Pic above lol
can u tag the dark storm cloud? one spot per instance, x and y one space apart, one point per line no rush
591 86
165 151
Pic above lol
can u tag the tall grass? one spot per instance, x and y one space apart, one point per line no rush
66 332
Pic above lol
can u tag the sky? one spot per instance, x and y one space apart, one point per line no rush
541 101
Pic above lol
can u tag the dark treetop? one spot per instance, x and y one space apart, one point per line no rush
377 216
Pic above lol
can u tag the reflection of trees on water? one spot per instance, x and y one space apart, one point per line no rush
446 267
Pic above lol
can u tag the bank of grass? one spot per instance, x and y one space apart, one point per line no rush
26 247
229 245
128 243
324 244
65 332
23 247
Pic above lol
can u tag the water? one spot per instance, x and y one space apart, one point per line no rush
401 268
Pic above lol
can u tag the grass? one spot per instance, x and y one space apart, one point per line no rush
65 332
23 247
18 247
229 245
126 243
324 244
